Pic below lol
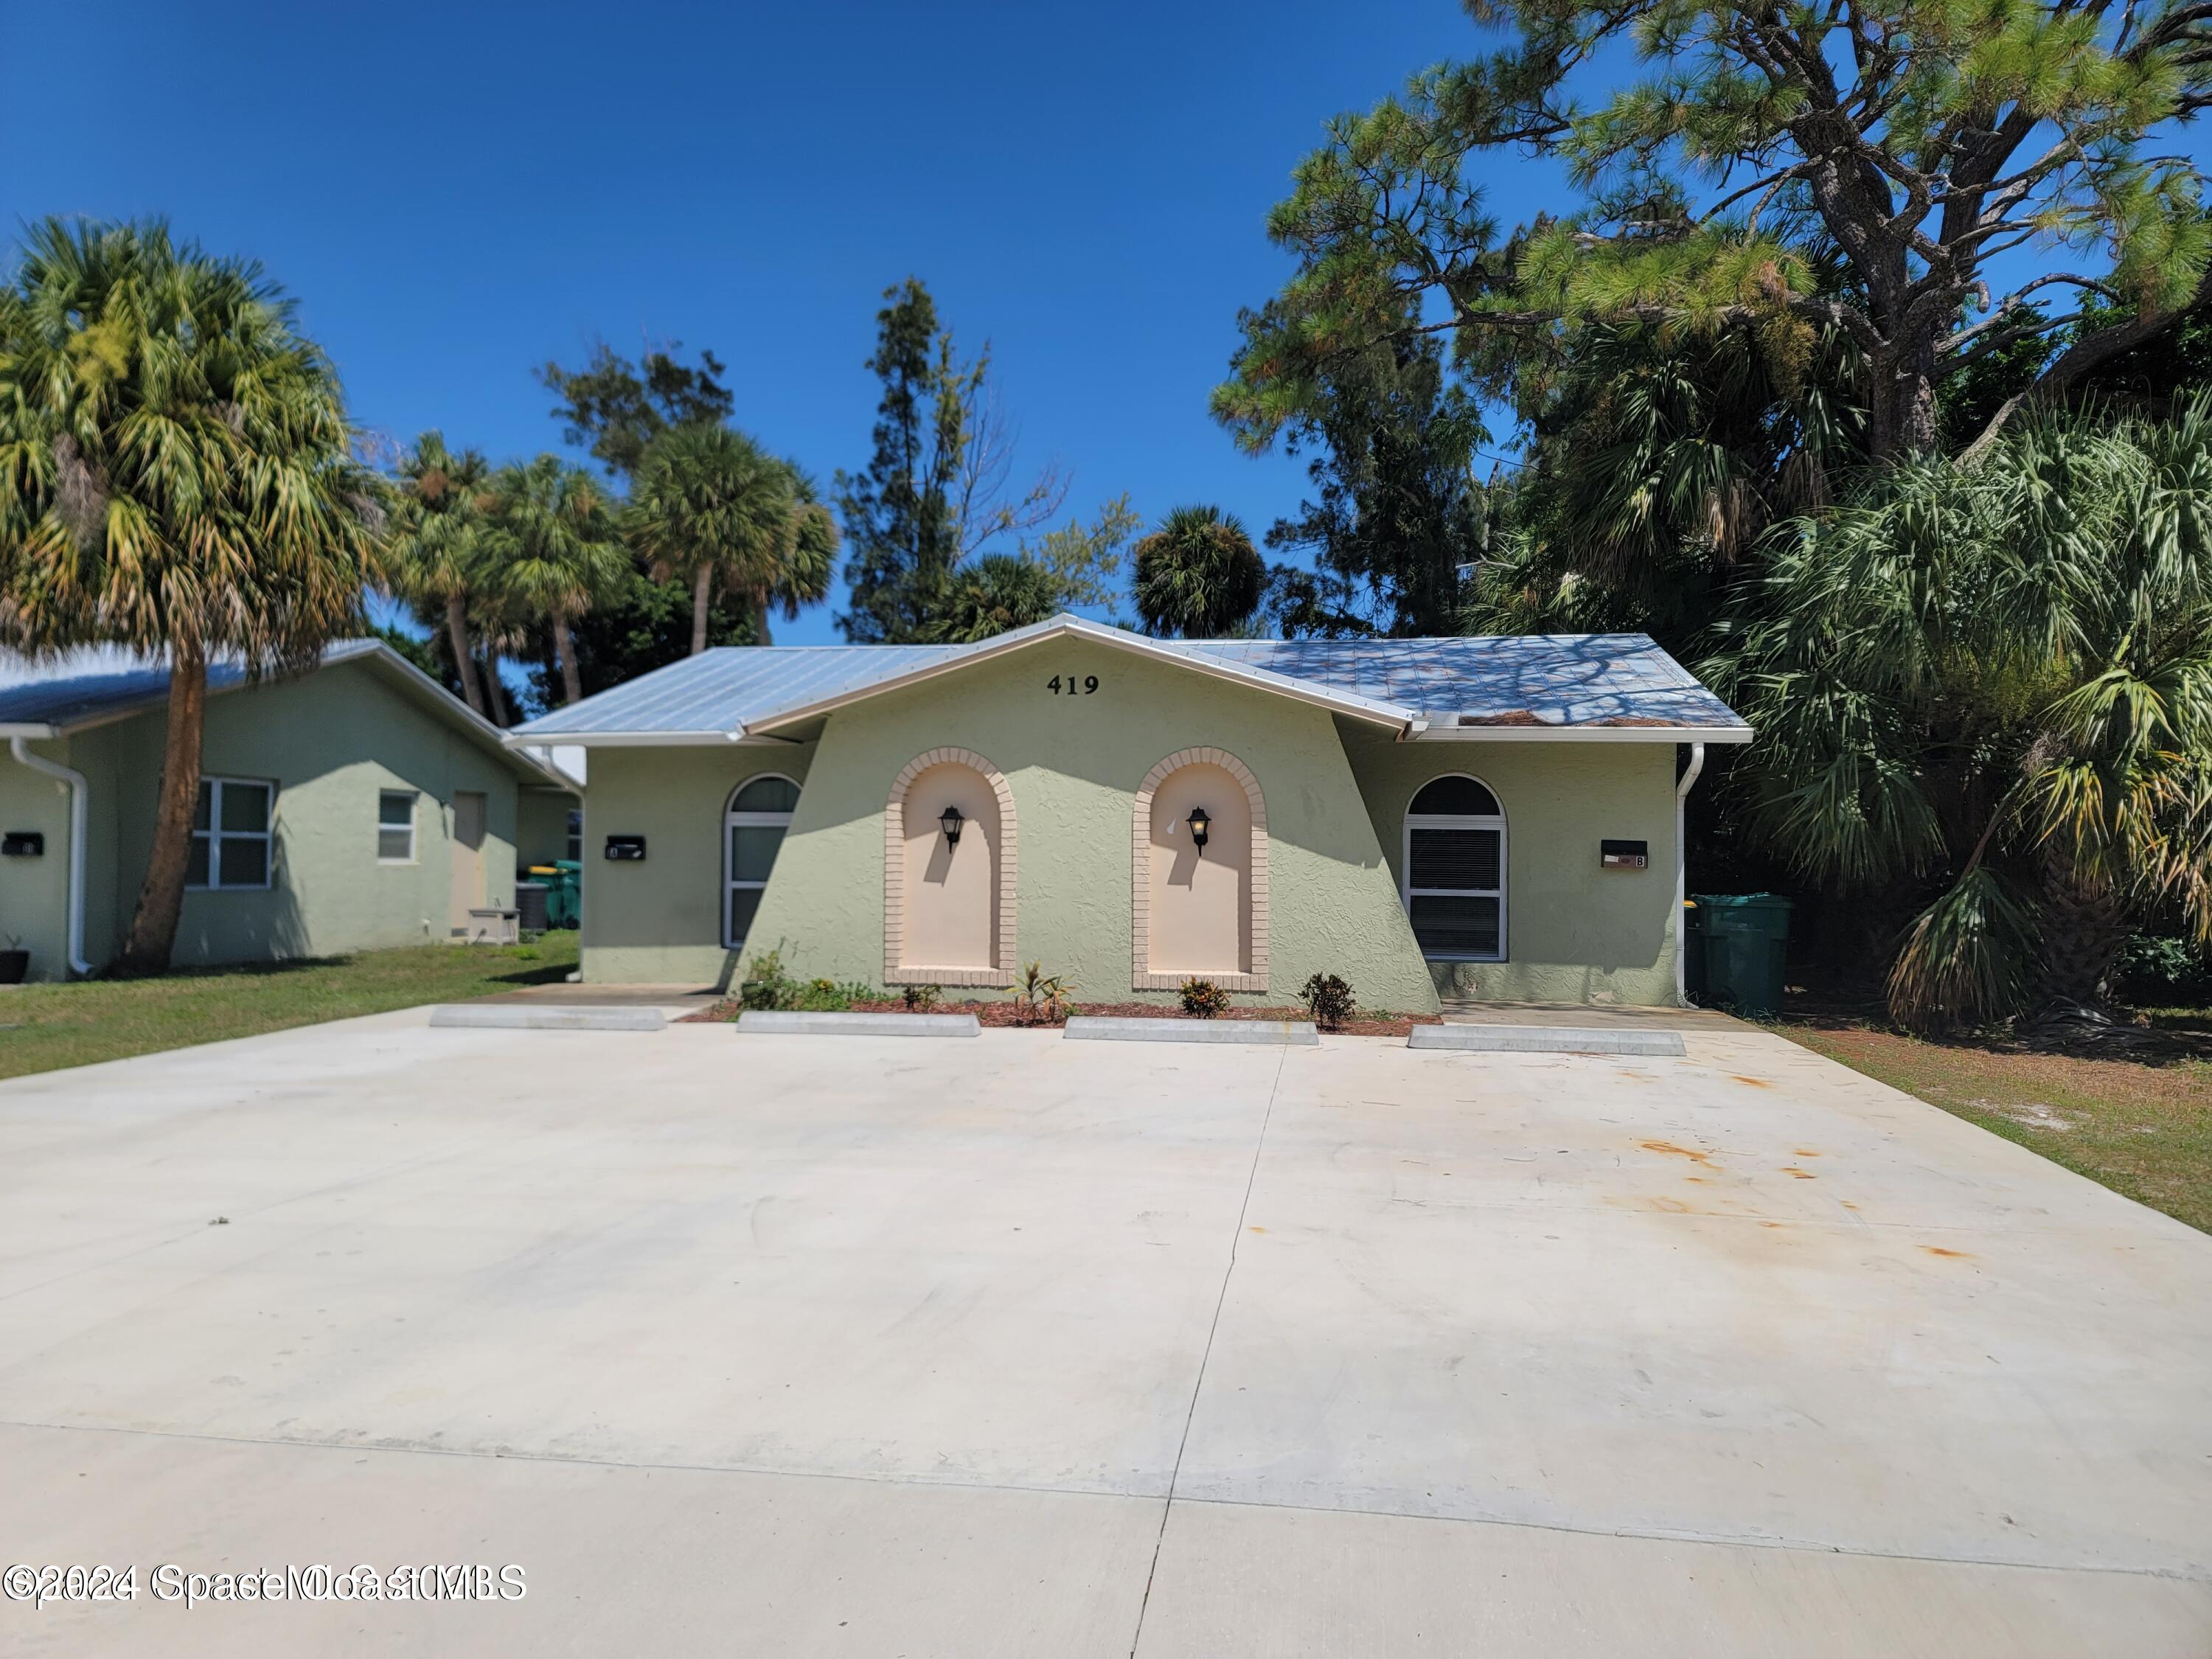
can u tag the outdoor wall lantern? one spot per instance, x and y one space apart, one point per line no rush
949 820
1199 823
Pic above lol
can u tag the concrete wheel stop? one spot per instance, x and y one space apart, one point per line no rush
1546 1040
1098 1028
507 1017
763 1022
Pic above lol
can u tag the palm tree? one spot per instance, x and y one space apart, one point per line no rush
177 475
1994 681
550 552
1198 574
710 504
436 547
992 595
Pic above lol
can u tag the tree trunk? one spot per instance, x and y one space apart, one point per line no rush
2083 930
493 689
457 635
702 595
161 899
760 635
564 647
1901 422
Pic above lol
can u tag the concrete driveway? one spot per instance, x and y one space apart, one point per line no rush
1021 1347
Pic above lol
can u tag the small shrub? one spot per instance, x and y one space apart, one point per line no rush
1041 998
1202 999
826 996
2154 968
1329 1000
920 998
765 984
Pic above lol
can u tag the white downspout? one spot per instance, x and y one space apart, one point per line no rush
1682 877
79 816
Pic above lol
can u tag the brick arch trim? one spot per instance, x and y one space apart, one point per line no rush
896 972
1140 871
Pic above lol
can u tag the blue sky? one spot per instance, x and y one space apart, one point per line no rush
457 193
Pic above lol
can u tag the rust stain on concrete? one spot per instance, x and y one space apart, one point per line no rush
1705 1160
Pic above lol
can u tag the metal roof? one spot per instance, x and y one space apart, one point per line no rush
50 697
1493 686
102 681
1500 680
714 694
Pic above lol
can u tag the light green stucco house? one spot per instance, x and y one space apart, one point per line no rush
1454 819
357 805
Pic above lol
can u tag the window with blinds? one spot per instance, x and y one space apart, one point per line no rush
1453 870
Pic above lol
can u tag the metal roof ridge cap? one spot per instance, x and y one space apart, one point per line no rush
1060 622
1067 621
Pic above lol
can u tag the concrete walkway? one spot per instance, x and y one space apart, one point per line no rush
1021 1347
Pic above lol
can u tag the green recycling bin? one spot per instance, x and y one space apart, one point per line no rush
1747 943
563 881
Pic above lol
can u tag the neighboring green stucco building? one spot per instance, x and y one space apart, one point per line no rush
893 815
356 806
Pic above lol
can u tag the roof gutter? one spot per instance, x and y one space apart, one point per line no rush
528 737
1669 734
80 818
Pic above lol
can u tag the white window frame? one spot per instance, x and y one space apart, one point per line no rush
734 819
414 797
572 846
1407 892
215 834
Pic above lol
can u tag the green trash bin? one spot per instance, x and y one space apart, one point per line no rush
563 880
1747 943
1693 952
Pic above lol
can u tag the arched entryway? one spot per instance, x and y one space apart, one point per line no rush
949 873
1199 911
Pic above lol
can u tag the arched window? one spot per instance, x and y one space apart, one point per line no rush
752 831
1453 870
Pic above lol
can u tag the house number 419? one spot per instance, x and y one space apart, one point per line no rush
1071 686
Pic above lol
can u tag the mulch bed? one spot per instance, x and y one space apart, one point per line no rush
1009 1014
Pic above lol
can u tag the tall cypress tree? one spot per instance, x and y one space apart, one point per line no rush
1398 512
901 521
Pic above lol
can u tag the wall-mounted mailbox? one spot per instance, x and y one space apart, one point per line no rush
1625 854
626 849
22 844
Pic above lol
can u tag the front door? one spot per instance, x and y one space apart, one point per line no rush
468 858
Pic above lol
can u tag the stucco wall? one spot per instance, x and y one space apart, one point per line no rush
1576 932
1074 765
660 923
34 891
331 742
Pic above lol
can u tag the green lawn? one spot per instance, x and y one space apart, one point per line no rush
2142 1129
44 1028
